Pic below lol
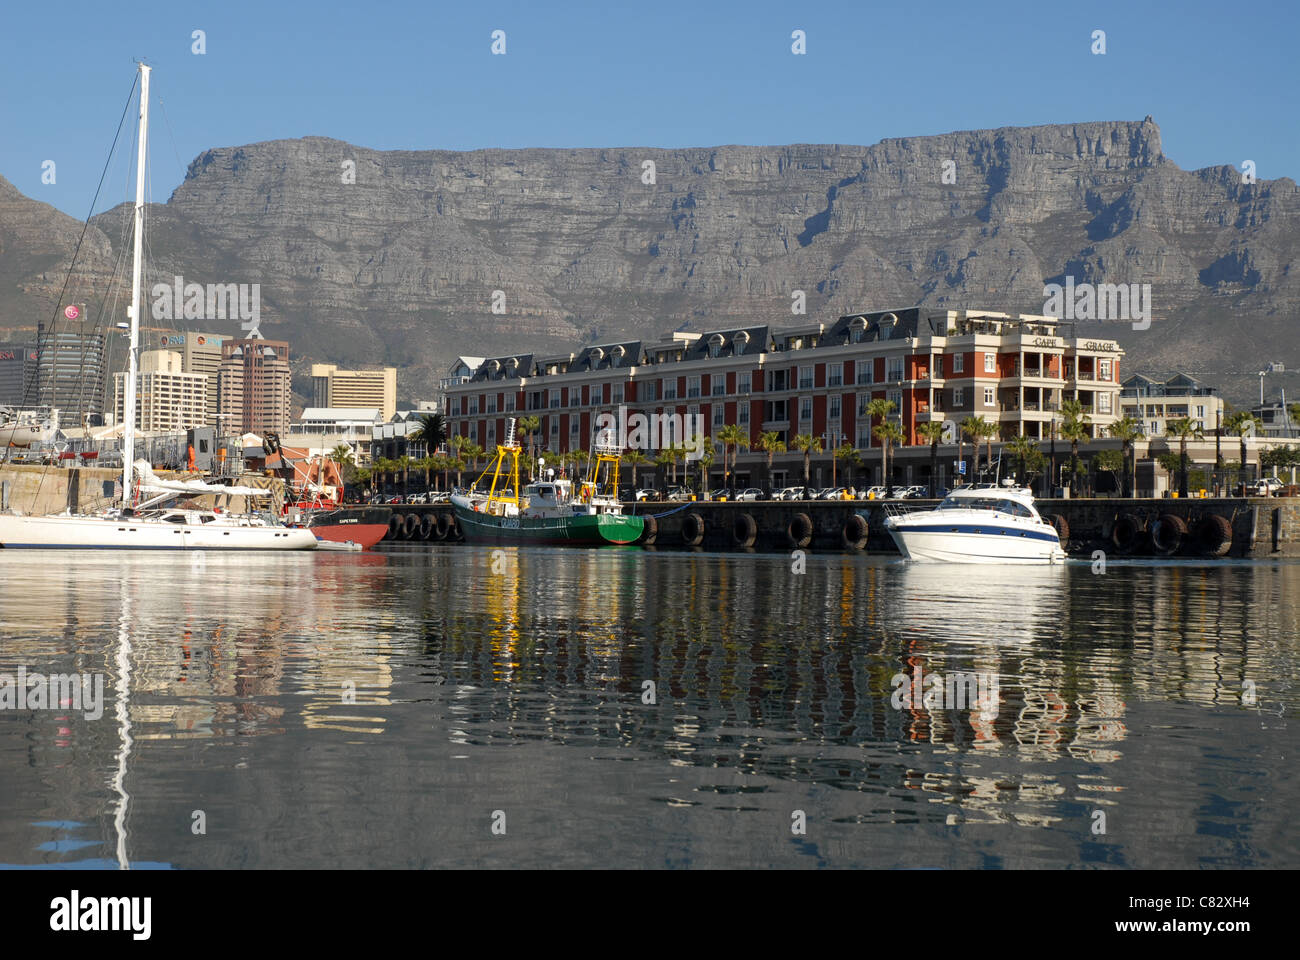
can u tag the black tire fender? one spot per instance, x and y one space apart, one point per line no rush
799 531
692 529
744 531
853 535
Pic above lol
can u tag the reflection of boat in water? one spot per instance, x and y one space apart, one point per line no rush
26 428
548 512
982 524
1013 603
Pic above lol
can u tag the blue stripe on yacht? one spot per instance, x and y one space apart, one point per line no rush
989 529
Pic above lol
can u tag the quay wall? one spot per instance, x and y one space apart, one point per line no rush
34 489
1253 527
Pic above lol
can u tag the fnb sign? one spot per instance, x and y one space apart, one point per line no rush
7 355
179 340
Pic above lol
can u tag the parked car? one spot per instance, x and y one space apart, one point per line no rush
751 493
916 492
831 493
678 493
395 499
418 498
646 493
790 493
897 493
872 493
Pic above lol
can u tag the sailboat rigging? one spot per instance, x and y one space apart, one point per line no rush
144 523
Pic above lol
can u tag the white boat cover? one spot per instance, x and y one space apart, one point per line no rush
151 482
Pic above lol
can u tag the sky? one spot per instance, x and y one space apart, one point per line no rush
1220 78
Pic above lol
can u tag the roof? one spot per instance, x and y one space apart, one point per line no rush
369 414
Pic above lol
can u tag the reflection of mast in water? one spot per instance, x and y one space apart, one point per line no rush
123 726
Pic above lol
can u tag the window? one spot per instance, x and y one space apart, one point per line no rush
617 393
648 390
988 396
1155 428
805 378
1103 403
863 400
835 376
742 414
895 371
510 403
692 387
863 369
896 397
1103 369
473 405
743 383
958 362
805 408
718 410
555 398
990 363
718 384
491 406
958 397
670 388
555 427
834 412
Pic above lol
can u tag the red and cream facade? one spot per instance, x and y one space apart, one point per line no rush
815 378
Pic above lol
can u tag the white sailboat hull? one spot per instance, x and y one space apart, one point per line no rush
133 533
933 547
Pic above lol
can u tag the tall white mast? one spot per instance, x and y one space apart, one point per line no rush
128 431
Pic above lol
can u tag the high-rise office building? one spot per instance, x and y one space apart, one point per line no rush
332 387
200 353
253 387
71 368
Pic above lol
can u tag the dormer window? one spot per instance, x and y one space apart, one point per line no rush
616 356
715 345
858 329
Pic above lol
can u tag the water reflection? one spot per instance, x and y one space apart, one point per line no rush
663 694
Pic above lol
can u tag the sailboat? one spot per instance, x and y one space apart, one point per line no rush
141 521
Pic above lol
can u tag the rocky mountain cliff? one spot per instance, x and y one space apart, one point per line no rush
367 257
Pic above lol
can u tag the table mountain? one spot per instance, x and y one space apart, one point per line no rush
368 256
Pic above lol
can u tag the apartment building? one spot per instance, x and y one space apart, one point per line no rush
814 378
1153 403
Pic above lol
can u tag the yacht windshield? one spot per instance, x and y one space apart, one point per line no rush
999 504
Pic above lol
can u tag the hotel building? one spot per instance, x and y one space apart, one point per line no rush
354 389
815 378
167 399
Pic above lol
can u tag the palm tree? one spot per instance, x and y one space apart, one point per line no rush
1127 431
1023 447
706 461
988 432
880 409
970 427
1183 430
845 451
1244 424
663 460
733 437
932 433
634 459
530 425
404 464
770 442
432 431
1074 428
809 445
342 455
888 432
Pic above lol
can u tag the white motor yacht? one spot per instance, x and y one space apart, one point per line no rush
978 525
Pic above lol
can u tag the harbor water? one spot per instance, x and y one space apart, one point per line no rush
435 706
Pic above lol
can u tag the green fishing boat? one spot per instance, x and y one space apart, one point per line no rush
549 511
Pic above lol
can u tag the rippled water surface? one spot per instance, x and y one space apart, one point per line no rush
457 706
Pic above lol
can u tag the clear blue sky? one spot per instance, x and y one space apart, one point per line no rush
1219 77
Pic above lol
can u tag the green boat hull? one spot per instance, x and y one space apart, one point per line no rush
585 530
